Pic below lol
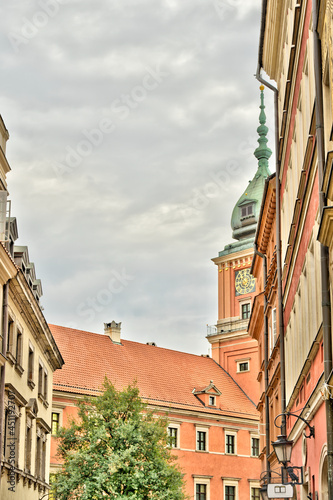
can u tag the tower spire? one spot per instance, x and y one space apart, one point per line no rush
246 212
263 152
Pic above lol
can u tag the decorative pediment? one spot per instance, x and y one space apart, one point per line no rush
211 389
32 408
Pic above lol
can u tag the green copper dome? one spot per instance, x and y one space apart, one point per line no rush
246 212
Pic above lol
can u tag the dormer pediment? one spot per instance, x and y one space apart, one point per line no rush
247 201
208 395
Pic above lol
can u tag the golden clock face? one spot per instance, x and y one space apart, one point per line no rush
245 282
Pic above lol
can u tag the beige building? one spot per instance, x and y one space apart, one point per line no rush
28 358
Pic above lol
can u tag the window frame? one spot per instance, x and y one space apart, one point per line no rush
212 400
245 211
31 366
204 431
243 362
230 433
202 480
257 439
247 311
57 422
174 427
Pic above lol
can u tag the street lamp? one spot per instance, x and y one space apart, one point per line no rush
282 446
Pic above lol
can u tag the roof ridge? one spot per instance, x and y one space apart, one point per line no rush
131 341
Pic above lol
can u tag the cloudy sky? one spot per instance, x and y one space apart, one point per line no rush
132 126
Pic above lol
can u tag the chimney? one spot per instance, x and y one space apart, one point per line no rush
113 330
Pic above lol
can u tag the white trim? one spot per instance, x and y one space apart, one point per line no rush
201 480
230 482
254 436
199 428
227 432
173 425
242 362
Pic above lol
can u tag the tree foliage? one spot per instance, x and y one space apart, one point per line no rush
117 448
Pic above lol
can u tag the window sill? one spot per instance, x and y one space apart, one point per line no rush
202 451
19 369
10 358
31 384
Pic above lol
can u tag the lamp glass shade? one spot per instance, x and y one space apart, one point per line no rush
282 448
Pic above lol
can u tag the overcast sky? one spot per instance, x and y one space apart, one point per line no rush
132 129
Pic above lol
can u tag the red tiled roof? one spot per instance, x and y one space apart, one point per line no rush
164 377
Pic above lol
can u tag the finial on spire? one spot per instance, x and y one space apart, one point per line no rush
263 152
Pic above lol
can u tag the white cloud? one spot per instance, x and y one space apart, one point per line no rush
154 196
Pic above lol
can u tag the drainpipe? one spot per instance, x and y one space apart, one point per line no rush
324 255
267 426
3 368
278 228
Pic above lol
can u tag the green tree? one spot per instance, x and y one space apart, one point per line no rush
117 448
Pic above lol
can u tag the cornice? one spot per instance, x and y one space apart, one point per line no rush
22 295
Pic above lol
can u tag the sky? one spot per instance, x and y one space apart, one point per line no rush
132 128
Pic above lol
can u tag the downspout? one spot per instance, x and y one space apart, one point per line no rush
3 368
324 255
278 217
267 422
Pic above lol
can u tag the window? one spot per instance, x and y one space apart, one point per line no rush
40 465
230 444
201 492
31 358
247 210
28 442
211 400
202 487
40 379
55 423
243 365
230 493
201 440
246 310
173 436
10 341
255 447
272 330
45 385
18 354
42 383
255 493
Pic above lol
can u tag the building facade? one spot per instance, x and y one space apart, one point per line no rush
295 51
212 422
28 358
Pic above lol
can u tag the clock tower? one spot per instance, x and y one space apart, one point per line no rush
231 345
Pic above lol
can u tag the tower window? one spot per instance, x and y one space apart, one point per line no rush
247 210
246 310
